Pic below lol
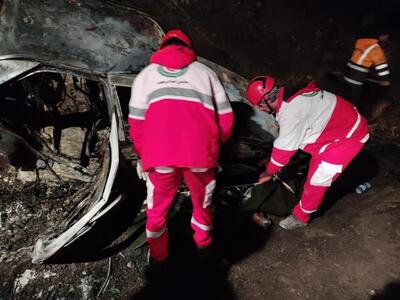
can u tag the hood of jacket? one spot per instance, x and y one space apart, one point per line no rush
174 56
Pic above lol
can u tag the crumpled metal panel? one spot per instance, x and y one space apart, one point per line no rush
12 68
86 34
46 247
235 87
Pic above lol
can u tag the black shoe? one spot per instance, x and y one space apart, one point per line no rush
205 253
155 268
210 261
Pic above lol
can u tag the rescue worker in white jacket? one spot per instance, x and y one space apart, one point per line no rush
316 121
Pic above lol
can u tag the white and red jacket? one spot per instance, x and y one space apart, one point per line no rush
179 113
311 119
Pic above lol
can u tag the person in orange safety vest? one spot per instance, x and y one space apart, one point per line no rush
367 61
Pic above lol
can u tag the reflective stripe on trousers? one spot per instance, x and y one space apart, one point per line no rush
163 184
325 167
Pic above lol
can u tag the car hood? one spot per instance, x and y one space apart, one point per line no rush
89 34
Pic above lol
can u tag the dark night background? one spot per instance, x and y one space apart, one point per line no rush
351 249
287 39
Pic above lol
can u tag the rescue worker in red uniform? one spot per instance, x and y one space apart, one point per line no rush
316 121
179 115
368 60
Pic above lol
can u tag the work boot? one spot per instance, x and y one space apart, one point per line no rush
205 253
291 222
261 220
155 268
209 260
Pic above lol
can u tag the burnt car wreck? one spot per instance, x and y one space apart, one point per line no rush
73 210
64 90
55 138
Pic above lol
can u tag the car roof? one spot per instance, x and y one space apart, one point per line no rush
91 35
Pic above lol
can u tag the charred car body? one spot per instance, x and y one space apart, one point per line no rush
66 70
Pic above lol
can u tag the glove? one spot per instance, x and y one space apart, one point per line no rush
264 177
140 172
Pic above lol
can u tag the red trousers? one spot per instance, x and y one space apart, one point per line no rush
162 186
327 163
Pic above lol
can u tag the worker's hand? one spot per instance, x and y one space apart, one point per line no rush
264 177
140 172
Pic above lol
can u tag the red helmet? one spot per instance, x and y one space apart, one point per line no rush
176 34
259 87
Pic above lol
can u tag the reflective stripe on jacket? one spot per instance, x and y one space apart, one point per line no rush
367 55
179 117
310 120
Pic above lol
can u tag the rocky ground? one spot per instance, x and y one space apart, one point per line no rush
348 252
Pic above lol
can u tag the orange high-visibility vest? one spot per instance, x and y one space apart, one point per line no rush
367 55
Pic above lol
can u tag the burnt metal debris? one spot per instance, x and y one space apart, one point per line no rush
66 69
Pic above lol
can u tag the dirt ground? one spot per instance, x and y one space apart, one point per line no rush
349 251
